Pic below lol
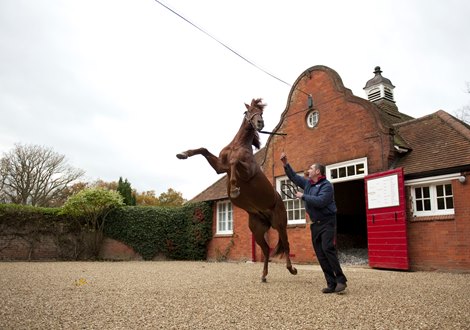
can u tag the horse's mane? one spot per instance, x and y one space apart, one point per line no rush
256 141
257 103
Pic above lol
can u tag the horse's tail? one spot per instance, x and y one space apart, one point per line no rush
280 249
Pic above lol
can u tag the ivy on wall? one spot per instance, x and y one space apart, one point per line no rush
180 233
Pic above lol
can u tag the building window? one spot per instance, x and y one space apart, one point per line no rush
345 171
294 206
312 119
224 218
432 198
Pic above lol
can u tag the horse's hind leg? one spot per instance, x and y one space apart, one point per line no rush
285 242
259 228
280 224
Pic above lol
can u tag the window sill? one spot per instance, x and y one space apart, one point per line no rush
222 235
447 217
296 225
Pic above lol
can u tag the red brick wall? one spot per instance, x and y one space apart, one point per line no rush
231 247
443 243
115 250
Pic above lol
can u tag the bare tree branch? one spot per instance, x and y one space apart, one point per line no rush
35 175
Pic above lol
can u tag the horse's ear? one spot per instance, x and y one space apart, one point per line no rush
247 106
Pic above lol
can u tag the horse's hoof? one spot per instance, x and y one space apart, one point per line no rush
235 193
182 156
263 280
292 270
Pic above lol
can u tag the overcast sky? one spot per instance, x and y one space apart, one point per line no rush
120 86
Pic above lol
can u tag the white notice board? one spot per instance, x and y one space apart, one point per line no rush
382 192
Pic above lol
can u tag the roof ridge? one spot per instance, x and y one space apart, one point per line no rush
455 123
412 120
208 187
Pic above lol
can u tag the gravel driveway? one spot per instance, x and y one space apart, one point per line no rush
202 295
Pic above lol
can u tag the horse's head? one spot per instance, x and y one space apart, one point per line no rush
254 114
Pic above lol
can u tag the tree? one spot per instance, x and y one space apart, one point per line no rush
147 198
464 112
171 198
103 184
35 175
93 204
124 188
68 192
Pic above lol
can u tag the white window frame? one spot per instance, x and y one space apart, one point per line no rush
298 205
312 119
431 182
224 216
345 166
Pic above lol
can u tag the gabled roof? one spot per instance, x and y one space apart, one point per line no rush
218 190
389 112
438 142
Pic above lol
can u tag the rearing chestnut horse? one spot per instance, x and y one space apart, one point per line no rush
248 187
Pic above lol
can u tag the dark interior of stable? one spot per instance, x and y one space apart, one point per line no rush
351 216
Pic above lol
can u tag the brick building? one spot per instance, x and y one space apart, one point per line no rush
401 183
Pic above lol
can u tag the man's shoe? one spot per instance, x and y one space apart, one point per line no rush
328 290
340 287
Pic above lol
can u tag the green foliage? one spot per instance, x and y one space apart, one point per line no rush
171 198
180 233
124 188
93 204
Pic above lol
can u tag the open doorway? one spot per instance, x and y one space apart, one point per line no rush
351 220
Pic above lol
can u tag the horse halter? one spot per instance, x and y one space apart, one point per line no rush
250 119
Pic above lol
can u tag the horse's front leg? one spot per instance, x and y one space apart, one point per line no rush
213 160
240 170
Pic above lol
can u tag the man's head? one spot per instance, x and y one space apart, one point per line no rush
315 171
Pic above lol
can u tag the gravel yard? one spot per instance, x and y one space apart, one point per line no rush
202 295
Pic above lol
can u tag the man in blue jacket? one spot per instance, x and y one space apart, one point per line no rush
320 205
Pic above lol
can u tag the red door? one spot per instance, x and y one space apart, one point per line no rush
386 220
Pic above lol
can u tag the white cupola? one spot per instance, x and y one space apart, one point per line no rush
379 88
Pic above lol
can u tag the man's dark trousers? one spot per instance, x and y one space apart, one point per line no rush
323 239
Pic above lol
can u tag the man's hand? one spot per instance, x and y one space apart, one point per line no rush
284 158
299 194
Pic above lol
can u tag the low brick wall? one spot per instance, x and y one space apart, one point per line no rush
115 250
